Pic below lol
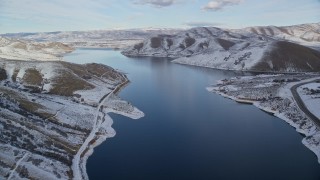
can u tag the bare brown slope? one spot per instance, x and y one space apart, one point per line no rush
77 77
68 79
289 57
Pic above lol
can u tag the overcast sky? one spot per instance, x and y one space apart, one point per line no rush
66 15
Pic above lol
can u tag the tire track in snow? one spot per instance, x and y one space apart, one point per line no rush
17 165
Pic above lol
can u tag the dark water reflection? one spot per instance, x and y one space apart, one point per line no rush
189 133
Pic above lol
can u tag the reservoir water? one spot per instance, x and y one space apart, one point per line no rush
189 133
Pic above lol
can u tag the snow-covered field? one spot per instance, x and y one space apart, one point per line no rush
272 93
310 94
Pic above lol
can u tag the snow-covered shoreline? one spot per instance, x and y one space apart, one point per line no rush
281 104
102 121
65 106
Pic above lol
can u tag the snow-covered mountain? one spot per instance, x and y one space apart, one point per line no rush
304 34
95 38
28 50
230 49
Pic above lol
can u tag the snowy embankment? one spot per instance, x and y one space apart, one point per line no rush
56 113
102 122
312 139
273 95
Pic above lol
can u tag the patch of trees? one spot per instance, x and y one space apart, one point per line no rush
138 46
155 42
3 74
189 41
169 43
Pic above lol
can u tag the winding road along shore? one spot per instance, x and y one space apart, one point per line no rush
78 172
301 104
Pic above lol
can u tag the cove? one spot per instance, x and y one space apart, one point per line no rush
190 133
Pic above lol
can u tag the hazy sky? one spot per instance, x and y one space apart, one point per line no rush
54 15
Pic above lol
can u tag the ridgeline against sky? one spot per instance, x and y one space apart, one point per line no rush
54 15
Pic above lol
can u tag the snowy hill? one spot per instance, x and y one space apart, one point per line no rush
304 34
95 38
52 114
234 50
28 50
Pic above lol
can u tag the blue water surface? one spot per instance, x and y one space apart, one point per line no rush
190 133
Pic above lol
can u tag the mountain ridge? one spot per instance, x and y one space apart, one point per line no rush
17 49
305 34
95 38
236 49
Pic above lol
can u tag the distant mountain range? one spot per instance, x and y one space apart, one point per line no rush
262 48
96 38
270 48
304 34
28 50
